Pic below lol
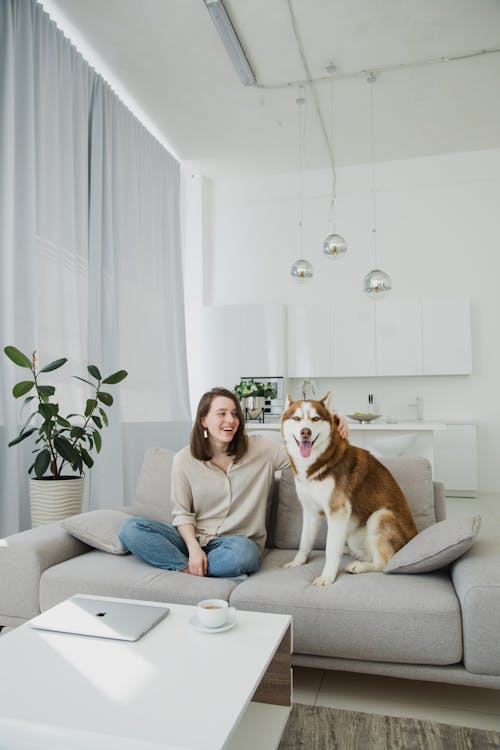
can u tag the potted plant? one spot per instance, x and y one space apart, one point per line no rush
253 395
61 442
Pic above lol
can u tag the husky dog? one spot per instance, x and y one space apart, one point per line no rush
362 502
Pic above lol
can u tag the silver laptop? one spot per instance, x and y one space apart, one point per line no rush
103 618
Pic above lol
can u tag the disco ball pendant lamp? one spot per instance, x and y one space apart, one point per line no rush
334 245
377 283
301 270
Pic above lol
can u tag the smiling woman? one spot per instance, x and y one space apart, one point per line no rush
220 487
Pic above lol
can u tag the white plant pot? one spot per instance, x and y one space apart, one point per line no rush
54 499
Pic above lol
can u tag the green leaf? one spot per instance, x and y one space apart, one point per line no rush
46 428
65 449
42 462
63 422
23 387
116 377
77 432
97 441
19 438
94 372
48 411
27 422
91 405
88 460
54 365
97 421
18 357
26 402
45 391
104 416
106 398
84 381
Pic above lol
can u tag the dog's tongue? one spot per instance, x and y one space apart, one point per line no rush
305 448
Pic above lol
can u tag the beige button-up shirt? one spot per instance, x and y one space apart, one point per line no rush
221 504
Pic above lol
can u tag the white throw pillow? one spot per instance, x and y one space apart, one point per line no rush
436 546
99 529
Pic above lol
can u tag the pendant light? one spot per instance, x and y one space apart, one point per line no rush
334 245
377 283
301 270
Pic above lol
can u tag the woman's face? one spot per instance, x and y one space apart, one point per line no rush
222 420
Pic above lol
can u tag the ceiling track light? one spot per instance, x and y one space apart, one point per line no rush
231 42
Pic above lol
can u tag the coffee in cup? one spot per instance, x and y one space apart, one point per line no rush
213 613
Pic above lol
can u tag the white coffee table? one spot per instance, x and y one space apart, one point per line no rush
174 688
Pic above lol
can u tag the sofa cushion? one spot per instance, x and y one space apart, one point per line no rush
99 529
409 619
127 576
413 474
436 546
152 493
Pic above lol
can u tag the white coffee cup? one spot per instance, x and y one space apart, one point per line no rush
213 613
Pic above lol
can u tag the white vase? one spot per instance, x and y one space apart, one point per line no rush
254 406
54 499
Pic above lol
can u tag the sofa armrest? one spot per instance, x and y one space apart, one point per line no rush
23 559
476 578
439 500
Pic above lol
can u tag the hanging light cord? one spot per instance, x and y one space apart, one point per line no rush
371 81
309 81
301 103
331 218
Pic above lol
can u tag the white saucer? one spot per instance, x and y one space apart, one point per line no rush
196 624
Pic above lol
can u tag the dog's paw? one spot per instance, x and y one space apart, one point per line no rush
359 566
294 563
323 580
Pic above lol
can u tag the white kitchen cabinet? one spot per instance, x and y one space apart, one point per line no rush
446 334
352 339
221 346
403 439
398 329
455 459
308 341
241 341
262 340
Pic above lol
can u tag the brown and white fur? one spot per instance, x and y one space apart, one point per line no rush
362 502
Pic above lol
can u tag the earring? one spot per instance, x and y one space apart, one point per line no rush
205 433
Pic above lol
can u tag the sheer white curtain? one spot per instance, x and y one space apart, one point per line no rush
91 264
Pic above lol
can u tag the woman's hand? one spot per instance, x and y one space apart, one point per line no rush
343 426
197 563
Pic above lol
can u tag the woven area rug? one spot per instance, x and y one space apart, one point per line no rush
319 728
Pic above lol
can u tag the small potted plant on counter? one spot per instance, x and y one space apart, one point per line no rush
61 441
253 395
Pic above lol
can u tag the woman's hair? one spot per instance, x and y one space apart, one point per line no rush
200 446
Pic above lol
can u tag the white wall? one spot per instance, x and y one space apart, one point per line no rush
437 232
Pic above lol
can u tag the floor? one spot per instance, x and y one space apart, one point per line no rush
451 704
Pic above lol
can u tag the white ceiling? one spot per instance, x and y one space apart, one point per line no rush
167 55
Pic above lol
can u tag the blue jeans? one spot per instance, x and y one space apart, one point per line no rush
161 545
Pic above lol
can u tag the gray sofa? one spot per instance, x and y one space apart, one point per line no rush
441 626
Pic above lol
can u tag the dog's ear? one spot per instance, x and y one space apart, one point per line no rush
288 401
326 399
